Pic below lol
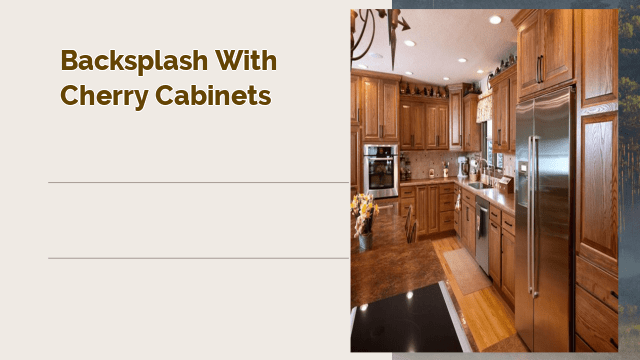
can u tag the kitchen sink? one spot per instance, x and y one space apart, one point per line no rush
479 185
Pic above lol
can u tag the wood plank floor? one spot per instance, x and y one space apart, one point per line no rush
488 317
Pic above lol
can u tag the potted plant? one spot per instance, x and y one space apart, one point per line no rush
363 208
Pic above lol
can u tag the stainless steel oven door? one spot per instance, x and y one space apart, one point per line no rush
381 170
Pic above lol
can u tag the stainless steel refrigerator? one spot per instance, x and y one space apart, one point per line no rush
545 142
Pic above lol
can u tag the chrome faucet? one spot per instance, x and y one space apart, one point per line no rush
486 166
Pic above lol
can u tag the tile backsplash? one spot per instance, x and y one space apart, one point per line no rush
423 161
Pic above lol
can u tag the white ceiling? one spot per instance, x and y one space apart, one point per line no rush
441 37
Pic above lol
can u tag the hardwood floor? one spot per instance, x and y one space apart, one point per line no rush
488 317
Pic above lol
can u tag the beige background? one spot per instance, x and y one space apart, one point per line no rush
175 309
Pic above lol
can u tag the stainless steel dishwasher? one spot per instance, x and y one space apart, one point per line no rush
482 233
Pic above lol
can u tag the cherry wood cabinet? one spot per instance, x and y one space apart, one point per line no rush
355 100
504 87
456 120
380 102
412 125
437 127
468 229
597 239
545 49
472 130
356 160
598 56
495 253
422 209
508 266
433 218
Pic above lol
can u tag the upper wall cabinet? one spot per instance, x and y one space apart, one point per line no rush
545 49
437 127
412 125
355 100
472 130
456 120
380 98
504 92
598 52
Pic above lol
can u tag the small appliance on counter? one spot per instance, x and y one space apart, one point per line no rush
445 170
463 164
505 185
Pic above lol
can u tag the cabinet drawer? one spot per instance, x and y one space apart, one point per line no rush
446 188
404 207
596 324
598 283
447 220
447 202
509 223
469 197
495 215
408 191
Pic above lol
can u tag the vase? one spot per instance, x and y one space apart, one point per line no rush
366 241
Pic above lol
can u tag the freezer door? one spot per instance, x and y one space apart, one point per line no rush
523 298
552 244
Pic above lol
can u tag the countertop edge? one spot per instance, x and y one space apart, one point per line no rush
458 181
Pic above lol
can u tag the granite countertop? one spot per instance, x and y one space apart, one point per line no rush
505 202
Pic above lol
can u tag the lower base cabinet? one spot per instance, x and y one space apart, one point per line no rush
433 207
495 254
508 266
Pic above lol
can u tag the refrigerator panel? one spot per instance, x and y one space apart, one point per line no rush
523 299
552 218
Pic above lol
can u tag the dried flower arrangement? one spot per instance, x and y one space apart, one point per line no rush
363 208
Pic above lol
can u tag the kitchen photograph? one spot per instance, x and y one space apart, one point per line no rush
484 180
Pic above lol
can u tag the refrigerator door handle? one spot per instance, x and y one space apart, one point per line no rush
535 140
529 217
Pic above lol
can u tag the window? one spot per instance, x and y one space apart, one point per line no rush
487 147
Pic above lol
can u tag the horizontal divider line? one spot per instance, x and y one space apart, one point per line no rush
198 182
198 258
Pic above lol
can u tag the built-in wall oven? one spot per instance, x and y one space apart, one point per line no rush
381 170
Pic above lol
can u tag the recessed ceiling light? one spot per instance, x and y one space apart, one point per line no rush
462 60
480 71
409 43
409 294
495 19
445 78
363 307
408 72
362 66
376 55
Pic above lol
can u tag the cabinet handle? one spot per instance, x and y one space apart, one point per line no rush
448 202
380 130
467 214
494 214
541 66
358 114
494 225
614 294
613 342
499 138
460 139
506 222
538 70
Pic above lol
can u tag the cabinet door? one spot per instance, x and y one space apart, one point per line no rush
355 100
497 101
528 53
472 130
464 224
557 42
432 124
406 130
442 138
456 221
433 214
370 100
471 236
455 120
502 133
598 214
389 97
599 56
422 201
513 101
508 266
356 156
418 125
495 254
